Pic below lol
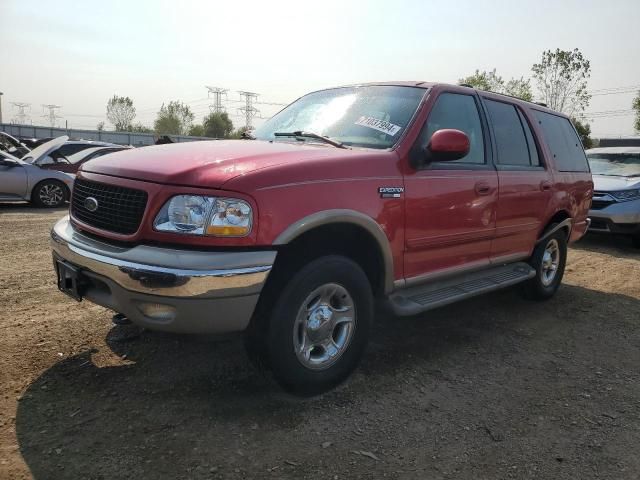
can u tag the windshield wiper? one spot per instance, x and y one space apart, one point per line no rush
300 133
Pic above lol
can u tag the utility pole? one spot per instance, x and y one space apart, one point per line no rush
217 94
21 117
52 116
248 110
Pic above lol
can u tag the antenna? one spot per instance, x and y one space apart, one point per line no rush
21 118
248 110
217 94
52 116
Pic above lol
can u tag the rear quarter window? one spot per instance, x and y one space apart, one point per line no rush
563 141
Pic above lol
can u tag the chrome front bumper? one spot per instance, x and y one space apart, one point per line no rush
167 289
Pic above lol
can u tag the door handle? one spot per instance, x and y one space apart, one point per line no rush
483 188
545 185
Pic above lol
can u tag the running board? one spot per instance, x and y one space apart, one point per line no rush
425 297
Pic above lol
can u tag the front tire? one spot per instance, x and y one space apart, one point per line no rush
49 194
319 326
549 259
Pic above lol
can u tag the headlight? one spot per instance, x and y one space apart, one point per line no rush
199 215
625 195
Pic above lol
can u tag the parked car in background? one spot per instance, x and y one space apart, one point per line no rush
616 199
12 145
71 163
20 179
32 142
414 194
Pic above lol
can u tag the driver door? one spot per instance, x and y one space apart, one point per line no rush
451 206
13 179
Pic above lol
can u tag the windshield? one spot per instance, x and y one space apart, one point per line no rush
369 117
615 164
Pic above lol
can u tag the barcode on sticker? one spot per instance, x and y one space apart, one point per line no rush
380 125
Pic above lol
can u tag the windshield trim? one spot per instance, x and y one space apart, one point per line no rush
426 91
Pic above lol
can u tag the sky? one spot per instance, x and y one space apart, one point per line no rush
78 54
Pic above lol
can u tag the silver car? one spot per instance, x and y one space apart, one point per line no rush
616 198
22 179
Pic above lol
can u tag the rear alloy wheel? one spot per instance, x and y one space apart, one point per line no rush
548 260
319 326
50 193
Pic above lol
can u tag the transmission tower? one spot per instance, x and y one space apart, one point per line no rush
21 118
248 110
52 116
216 93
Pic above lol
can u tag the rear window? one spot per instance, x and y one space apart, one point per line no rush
563 141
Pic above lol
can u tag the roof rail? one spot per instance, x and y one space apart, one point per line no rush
466 85
542 104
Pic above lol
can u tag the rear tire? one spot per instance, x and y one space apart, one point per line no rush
549 259
319 325
49 194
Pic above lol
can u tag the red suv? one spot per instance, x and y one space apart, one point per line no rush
412 193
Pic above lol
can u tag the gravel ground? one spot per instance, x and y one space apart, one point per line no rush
495 387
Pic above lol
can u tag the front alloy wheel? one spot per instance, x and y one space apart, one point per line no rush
50 194
319 326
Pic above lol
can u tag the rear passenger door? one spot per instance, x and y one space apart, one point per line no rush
525 183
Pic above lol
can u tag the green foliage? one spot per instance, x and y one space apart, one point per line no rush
584 131
492 82
562 77
217 125
636 106
240 132
100 126
140 128
174 119
196 131
120 113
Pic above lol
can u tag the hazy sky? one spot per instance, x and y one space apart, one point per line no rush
79 53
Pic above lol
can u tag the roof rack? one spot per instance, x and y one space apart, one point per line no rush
466 85
542 104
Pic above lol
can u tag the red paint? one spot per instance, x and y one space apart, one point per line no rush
449 141
446 217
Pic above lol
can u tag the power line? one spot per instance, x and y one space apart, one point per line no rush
52 116
21 117
248 110
217 93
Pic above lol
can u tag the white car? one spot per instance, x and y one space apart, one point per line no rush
616 198
23 179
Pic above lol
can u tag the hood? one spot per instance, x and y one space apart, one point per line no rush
206 163
609 183
45 149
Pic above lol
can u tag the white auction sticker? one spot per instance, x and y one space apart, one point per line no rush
380 125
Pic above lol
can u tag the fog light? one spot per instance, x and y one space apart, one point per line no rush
157 311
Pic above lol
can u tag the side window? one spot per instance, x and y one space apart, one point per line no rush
453 110
531 143
564 143
512 147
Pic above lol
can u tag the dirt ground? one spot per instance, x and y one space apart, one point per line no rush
495 387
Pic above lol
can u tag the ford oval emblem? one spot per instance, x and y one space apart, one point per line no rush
91 204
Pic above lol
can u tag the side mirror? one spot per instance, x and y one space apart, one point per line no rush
7 163
446 145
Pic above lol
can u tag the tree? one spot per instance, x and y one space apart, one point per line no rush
562 77
120 112
636 106
492 82
100 126
174 119
584 131
240 132
217 125
140 128
197 131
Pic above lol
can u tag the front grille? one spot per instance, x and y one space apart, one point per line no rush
598 224
119 209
